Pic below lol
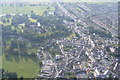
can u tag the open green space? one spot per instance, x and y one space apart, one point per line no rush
0 62
26 68
32 20
38 10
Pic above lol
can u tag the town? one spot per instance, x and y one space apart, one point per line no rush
69 40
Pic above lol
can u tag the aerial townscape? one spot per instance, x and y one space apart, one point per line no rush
58 39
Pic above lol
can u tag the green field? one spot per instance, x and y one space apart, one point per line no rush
62 0
32 20
27 69
27 0
0 62
25 9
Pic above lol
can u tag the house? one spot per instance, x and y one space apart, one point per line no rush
33 24
112 49
103 73
57 57
38 24
77 66
46 69
47 62
92 59
115 67
23 24
81 74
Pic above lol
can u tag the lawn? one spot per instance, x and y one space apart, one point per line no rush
25 9
32 20
27 69
27 0
32 50
0 62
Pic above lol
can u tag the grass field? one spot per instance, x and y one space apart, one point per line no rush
27 0
27 69
32 20
25 9
0 62
63 0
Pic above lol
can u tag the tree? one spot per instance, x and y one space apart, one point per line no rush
8 21
3 20
8 75
8 16
45 13
14 44
11 75
20 19
33 15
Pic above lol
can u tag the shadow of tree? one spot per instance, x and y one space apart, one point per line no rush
25 58
33 59
19 58
9 58
16 58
